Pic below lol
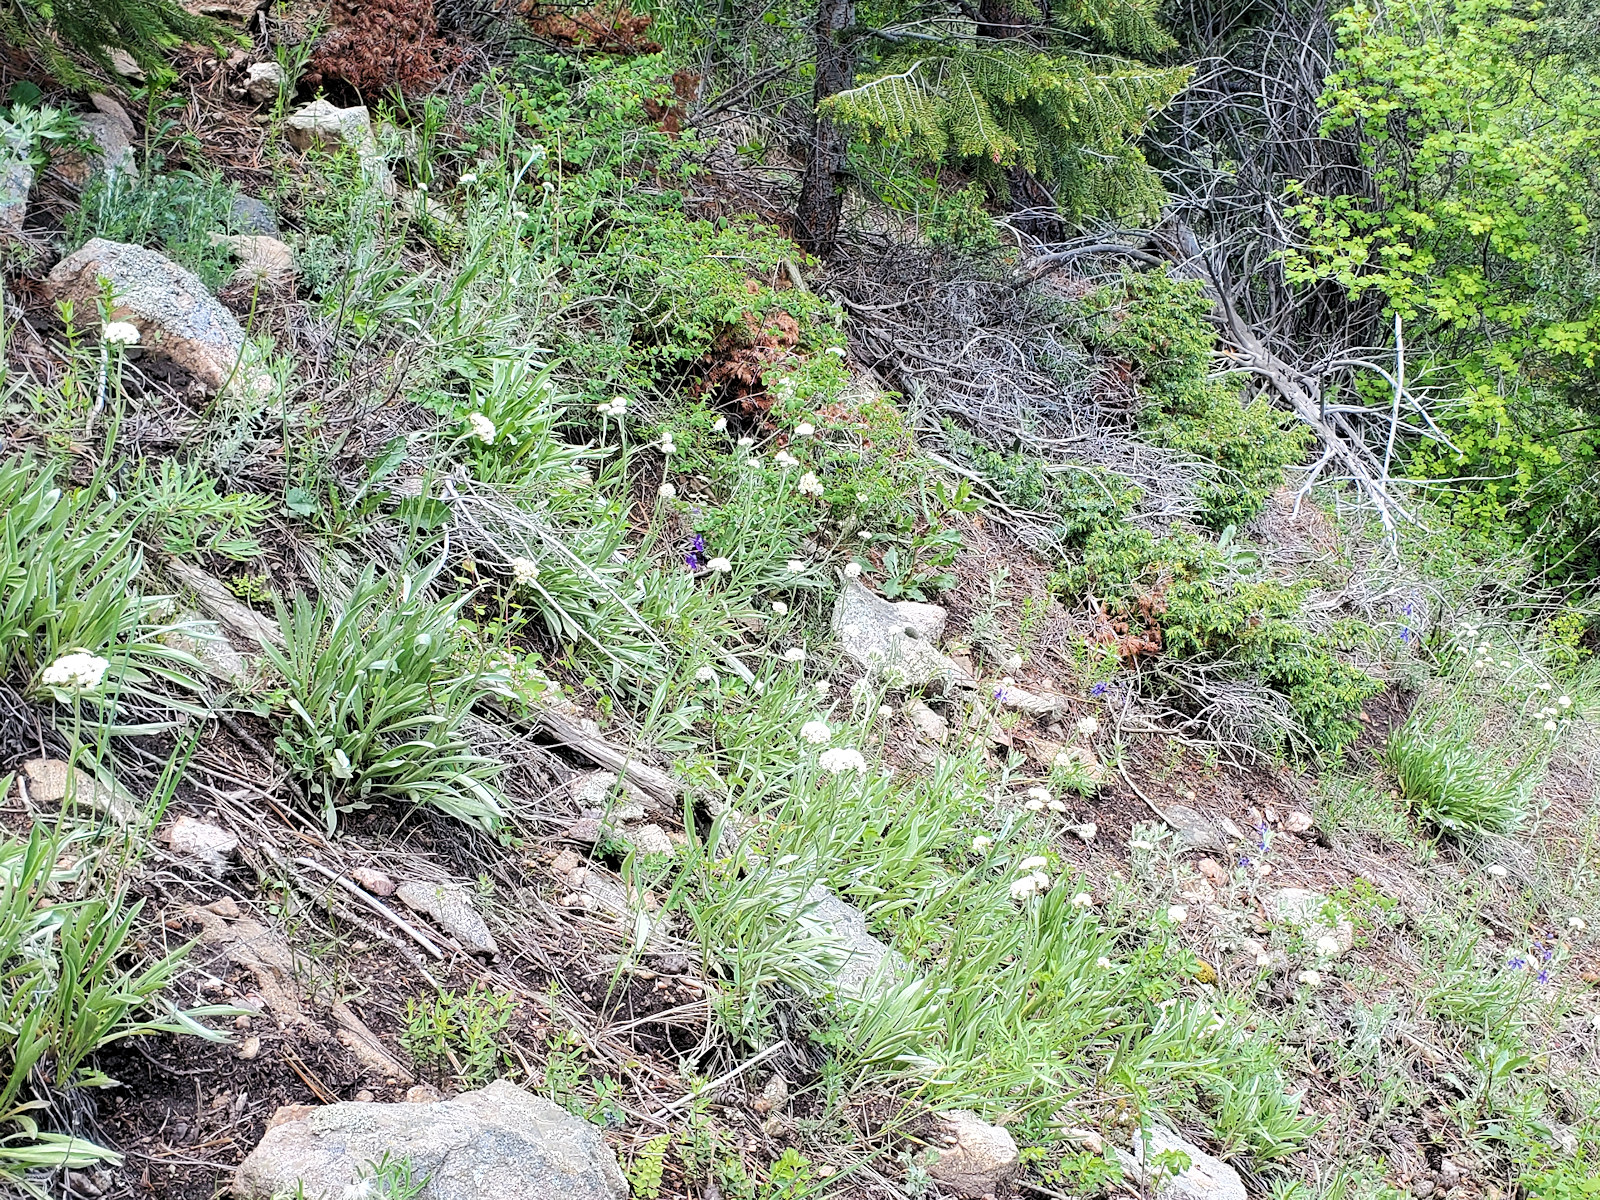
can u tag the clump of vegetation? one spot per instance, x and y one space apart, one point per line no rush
459 1036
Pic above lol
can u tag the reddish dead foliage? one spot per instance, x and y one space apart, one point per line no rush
736 360
379 44
609 30
1135 633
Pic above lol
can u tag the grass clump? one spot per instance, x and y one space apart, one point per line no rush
1454 785
375 698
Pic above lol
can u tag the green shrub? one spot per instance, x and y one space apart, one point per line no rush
1453 784
462 1032
375 701
146 29
175 212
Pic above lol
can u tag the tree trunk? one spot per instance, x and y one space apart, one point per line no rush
822 187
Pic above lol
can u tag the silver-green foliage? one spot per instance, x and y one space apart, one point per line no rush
1452 783
374 700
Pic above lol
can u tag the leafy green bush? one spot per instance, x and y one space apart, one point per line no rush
181 507
375 701
1453 784
176 212
462 1032
66 991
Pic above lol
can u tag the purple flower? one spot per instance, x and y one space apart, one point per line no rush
1244 860
1405 635
1543 976
699 544
1517 962
692 561
1098 689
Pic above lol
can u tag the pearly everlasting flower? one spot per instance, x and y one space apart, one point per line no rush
747 441
1040 794
467 179
1549 726
840 760
804 429
1083 900
794 654
785 460
666 491
480 427
1327 944
524 571
981 843
885 713
809 485
1030 885
1014 662
822 687
1140 844
1088 726
816 732
1177 914
720 425
120 333
1033 862
1577 923
794 566
1033 805
852 570
1564 701
706 675
76 672
720 565
1497 871
1310 978
779 608
1056 806
1103 963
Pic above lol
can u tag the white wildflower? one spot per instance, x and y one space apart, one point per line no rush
885 713
816 732
1014 662
981 843
785 460
1034 805
1564 701
1177 914
666 491
1033 862
809 485
747 441
1327 945
1025 888
720 565
1549 726
1140 844
480 427
835 350
120 333
1088 726
1310 978
468 179
1496 870
1041 794
1083 900
866 535
822 687
1057 806
706 674
804 429
840 760
852 570
779 608
1577 923
76 672
524 571
720 425
794 654
1103 963
794 566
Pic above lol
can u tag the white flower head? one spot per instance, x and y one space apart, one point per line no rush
1577 923
1056 806
779 608
79 671
809 485
706 674
1088 726
720 425
1564 701
885 713
822 687
1549 726
981 843
804 429
666 491
480 427
1033 863
720 565
795 566
1039 793
1034 804
120 333
1327 945
785 460
816 732
1027 887
747 441
841 759
1310 978
1083 900
467 179
1140 844
835 350
794 654
524 571
1177 914
1103 963
1496 871
852 570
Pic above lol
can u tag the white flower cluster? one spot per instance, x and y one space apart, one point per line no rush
804 429
810 485
524 571
705 675
795 566
666 491
1031 879
779 608
616 407
719 565
785 460
816 732
794 654
76 672
852 570
841 759
720 425
480 427
120 333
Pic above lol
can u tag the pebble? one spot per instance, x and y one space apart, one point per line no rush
251 1047
373 880
365 1097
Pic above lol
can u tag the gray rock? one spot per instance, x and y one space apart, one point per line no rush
125 64
865 965
1196 832
175 313
250 215
320 124
884 641
976 1160
210 845
927 619
263 80
650 839
499 1143
111 129
201 640
262 257
449 906
927 722
1206 1177
1308 913
373 880
16 181
237 13
50 780
594 791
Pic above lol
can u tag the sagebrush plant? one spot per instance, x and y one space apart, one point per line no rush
70 984
374 698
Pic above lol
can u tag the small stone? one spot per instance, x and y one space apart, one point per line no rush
238 13
1196 832
1313 915
1422 1187
263 81
210 844
1085 832
423 1093
226 907
1233 831
976 1160
1205 1178
1450 1173
1086 1139
321 124
364 1097
1297 821
370 879
126 65
242 1021
566 862
596 789
16 181
891 643
450 907
289 1112
250 215
250 1048
651 839
1214 872
1083 759
262 257
48 784
587 830
774 1096
926 722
